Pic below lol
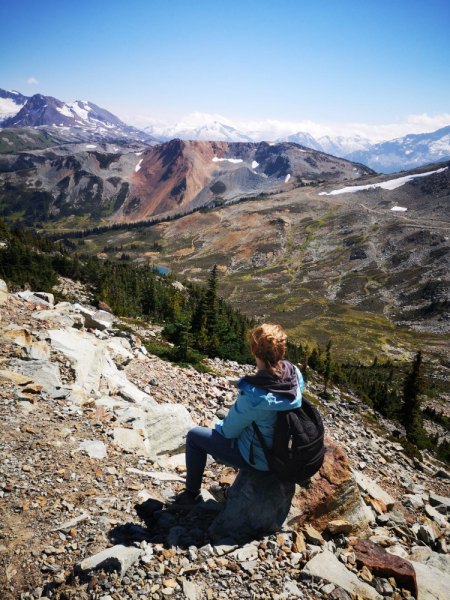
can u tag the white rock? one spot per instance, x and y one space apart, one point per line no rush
86 353
68 525
132 439
427 557
98 319
247 552
40 371
37 351
412 501
118 558
37 298
165 425
3 292
373 489
327 567
94 448
190 590
432 583
435 515
290 590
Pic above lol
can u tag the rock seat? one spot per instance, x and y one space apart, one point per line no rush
259 502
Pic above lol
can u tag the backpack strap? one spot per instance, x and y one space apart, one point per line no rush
262 441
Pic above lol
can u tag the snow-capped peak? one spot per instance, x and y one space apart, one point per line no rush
213 131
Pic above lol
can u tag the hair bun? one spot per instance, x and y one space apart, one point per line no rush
268 343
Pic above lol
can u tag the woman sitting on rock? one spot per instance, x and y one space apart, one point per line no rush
277 385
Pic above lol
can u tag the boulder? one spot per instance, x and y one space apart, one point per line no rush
16 335
436 500
326 566
37 351
436 516
383 564
64 315
41 372
331 495
255 489
432 583
119 351
39 298
15 377
132 439
96 319
86 353
118 558
164 427
46 296
426 556
3 292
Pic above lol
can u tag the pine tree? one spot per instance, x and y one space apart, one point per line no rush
412 414
327 366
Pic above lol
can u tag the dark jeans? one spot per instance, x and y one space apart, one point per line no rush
202 441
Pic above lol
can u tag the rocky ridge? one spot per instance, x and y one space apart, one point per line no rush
86 468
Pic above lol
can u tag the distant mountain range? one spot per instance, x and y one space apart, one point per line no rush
407 152
83 121
215 131
74 121
133 182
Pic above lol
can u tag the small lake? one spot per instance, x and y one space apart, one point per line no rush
162 270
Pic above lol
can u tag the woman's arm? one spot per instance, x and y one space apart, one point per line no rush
239 417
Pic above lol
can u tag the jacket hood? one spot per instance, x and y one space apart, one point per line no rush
269 397
284 383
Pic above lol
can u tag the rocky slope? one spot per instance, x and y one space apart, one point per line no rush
366 267
133 182
89 423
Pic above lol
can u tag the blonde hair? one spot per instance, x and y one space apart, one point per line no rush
268 343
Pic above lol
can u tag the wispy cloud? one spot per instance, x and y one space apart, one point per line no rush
33 81
271 129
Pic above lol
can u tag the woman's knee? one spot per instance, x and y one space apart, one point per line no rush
196 434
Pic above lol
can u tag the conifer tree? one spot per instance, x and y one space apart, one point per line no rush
412 414
327 366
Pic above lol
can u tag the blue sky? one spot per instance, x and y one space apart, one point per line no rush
320 61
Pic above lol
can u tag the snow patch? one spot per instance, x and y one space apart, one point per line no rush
65 110
139 153
287 178
91 146
399 208
231 160
255 164
81 112
8 108
138 166
393 184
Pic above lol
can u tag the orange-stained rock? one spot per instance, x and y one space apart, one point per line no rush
378 505
333 494
259 502
382 564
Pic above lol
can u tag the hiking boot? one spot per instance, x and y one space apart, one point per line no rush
185 498
219 493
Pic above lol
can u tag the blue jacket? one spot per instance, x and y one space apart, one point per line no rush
255 404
